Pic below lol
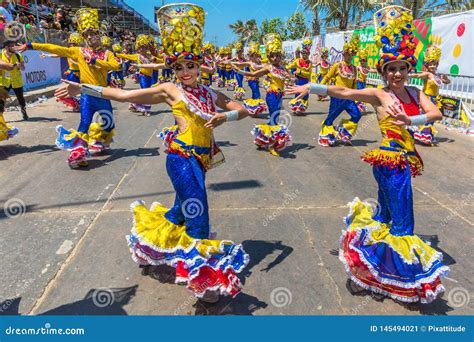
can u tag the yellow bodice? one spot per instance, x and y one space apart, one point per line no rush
277 79
431 87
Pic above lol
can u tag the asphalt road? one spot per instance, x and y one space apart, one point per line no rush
64 252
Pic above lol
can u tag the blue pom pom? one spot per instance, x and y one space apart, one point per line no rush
403 31
385 40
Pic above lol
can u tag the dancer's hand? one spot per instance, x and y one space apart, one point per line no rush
401 118
217 120
20 48
69 89
302 90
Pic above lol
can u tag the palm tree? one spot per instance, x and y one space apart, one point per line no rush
245 30
315 6
419 8
342 12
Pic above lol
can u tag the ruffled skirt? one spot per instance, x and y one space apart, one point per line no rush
404 268
202 264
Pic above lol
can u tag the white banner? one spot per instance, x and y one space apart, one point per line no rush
289 48
456 32
40 72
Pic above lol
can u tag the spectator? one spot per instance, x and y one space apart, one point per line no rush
5 11
14 80
3 21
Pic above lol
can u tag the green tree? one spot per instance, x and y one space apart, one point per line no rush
315 6
296 26
275 25
245 31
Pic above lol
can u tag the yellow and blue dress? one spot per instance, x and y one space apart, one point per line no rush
90 136
179 236
426 134
303 71
145 77
255 105
379 249
343 75
71 74
273 136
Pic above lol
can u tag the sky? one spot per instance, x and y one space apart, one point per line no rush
221 13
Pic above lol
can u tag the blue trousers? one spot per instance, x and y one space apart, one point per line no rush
91 105
240 79
337 106
145 81
254 86
190 205
302 81
73 77
395 199
274 102
154 76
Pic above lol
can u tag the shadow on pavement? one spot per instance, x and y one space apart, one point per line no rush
225 186
103 301
11 150
139 152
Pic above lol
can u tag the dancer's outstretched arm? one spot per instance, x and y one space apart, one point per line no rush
154 66
257 73
233 111
377 98
163 93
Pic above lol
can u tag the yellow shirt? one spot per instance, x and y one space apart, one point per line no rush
135 57
345 80
15 80
431 87
277 79
303 68
95 74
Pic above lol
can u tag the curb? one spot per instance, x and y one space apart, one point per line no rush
32 95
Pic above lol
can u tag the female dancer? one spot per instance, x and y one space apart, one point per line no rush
179 237
344 74
94 63
302 70
143 55
239 91
255 105
379 250
362 71
116 77
426 134
207 51
273 135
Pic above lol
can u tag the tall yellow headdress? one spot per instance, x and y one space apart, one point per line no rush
181 27
432 54
208 46
254 48
117 47
394 36
362 53
238 46
87 19
273 43
142 40
106 41
353 45
306 45
75 38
